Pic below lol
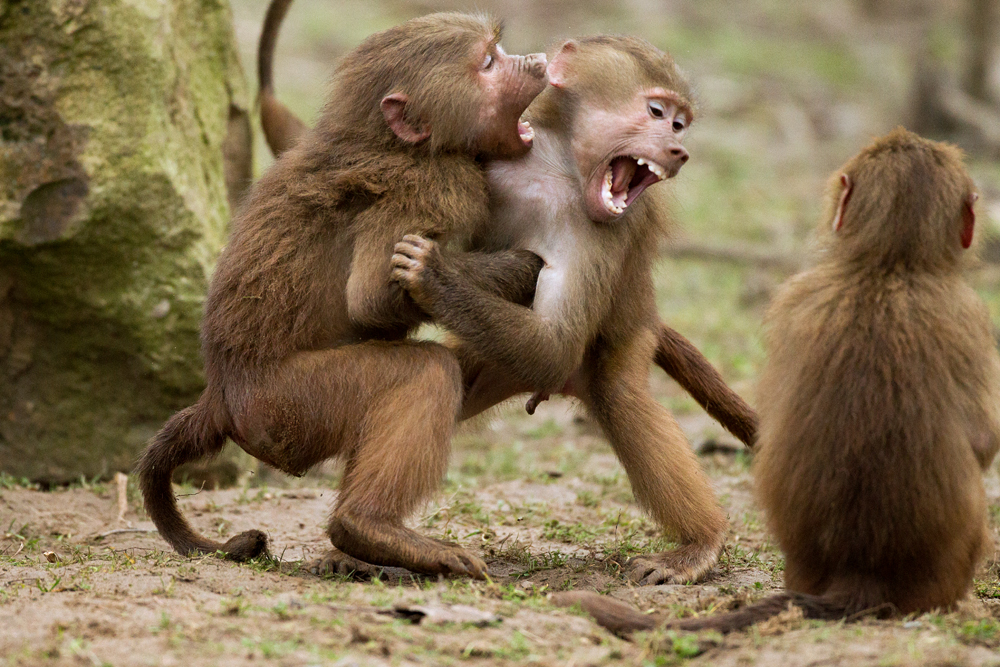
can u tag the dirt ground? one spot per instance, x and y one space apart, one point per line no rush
541 499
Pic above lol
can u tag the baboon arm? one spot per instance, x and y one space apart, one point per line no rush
692 371
373 300
508 274
538 349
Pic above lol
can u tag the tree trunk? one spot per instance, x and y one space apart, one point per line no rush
116 119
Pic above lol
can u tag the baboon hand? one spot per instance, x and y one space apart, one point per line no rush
413 262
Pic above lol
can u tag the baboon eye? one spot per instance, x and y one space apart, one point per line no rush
656 109
488 62
680 124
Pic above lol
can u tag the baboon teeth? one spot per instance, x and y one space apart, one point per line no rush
606 195
659 171
525 131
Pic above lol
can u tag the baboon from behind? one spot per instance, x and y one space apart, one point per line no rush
880 400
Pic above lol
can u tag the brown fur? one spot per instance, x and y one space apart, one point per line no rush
880 400
281 127
593 326
674 354
682 361
305 337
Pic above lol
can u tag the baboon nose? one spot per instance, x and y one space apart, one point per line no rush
680 154
537 63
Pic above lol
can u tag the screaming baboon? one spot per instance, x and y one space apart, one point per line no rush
674 354
305 335
610 125
880 400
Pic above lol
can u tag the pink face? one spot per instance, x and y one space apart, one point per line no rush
510 83
621 151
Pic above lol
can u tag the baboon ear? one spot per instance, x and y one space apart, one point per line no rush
845 196
393 108
968 219
558 69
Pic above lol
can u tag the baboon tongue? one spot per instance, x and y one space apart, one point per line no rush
622 170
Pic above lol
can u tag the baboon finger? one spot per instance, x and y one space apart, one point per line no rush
401 261
407 250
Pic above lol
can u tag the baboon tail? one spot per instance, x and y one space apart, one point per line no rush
623 619
281 127
187 436
608 612
812 606
682 361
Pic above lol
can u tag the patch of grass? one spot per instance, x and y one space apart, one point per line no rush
988 589
235 606
270 649
23 536
10 482
576 533
515 648
587 499
985 631
96 484
515 551
736 556
548 429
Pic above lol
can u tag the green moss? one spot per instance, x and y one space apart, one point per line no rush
131 100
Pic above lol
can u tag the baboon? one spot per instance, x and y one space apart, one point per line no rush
610 125
674 354
879 401
305 336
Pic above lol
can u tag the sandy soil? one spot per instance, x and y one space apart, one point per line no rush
543 501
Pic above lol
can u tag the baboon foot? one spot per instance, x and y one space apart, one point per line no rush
390 545
450 558
248 544
685 564
336 561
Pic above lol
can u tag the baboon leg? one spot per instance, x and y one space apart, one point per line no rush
388 410
484 384
666 477
398 461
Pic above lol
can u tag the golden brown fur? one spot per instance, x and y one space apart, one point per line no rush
882 380
674 353
281 127
593 325
880 400
304 335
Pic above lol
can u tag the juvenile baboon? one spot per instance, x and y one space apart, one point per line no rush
610 125
674 354
305 336
879 402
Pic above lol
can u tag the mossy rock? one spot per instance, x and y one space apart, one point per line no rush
124 134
